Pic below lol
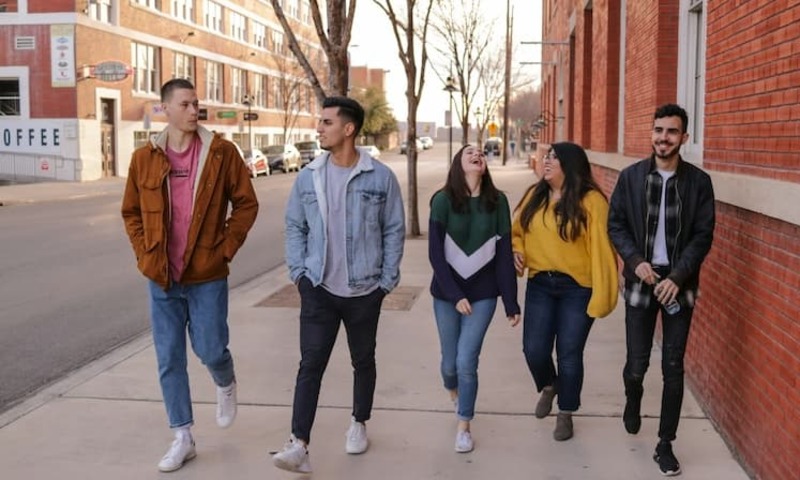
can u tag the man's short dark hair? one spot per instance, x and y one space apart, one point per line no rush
350 109
172 85
673 110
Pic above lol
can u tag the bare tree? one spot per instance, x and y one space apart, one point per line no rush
491 71
334 40
465 36
288 91
403 16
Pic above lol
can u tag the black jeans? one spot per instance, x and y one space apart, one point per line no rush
640 324
320 316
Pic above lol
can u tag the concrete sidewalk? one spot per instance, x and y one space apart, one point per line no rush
108 421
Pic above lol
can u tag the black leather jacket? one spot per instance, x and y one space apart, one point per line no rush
628 212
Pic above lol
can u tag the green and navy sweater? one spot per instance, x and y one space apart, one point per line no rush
471 253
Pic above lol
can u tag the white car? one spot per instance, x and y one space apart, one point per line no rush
427 142
283 157
256 161
372 150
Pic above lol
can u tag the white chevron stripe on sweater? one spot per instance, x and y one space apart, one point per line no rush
467 265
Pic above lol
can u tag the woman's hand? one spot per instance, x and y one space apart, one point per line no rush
463 307
513 320
519 262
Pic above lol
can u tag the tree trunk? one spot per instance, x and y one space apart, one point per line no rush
411 155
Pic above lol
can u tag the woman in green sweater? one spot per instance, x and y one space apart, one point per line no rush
559 234
470 251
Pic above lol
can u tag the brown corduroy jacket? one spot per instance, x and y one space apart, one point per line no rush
214 237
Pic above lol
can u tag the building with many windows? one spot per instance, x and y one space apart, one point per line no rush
80 79
735 67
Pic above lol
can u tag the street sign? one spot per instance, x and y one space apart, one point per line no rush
226 114
250 116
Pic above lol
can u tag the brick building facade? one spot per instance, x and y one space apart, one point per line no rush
735 67
80 79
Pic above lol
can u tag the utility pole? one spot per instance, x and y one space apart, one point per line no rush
507 92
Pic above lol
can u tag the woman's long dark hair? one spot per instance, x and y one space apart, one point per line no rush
578 181
457 190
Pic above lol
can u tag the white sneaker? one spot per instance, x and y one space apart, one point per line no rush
464 442
226 405
293 457
357 441
181 451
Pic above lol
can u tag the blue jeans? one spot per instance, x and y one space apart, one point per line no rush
203 308
555 312
461 339
320 315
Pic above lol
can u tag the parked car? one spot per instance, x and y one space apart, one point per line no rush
427 142
256 161
404 147
493 146
372 150
308 151
283 157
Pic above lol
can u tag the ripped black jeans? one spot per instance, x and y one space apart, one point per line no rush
640 325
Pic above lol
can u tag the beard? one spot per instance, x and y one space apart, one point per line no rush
669 153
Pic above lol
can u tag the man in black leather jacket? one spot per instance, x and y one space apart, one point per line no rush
661 221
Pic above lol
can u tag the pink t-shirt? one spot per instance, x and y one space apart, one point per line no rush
183 166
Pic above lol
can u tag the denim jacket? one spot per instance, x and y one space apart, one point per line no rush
375 224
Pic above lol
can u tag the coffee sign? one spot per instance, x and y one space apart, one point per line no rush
111 71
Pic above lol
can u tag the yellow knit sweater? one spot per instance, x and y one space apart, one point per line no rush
590 259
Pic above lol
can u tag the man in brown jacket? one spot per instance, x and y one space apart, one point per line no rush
175 212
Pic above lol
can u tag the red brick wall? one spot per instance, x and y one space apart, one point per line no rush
752 121
583 78
45 101
49 6
605 73
743 355
10 5
651 65
744 352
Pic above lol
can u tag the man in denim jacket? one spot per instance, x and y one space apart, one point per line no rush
345 228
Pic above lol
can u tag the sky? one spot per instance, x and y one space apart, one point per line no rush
373 45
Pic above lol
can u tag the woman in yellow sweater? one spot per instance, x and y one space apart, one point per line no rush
559 234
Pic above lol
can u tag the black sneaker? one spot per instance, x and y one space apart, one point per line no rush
666 460
632 417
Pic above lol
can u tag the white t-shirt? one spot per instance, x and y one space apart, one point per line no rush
660 254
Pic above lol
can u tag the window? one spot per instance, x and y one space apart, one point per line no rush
692 70
238 27
213 16
277 94
241 140
154 4
277 41
213 81
260 90
291 7
259 35
183 9
144 62
140 138
238 84
261 140
10 97
100 10
183 66
305 12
